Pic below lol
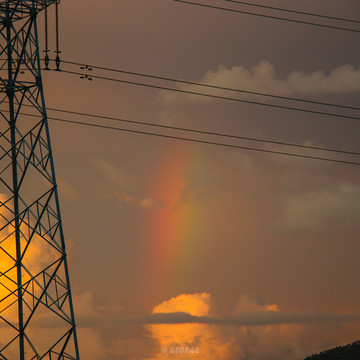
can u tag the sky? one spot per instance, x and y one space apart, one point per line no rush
226 252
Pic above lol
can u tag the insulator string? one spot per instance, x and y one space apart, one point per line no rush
46 60
57 59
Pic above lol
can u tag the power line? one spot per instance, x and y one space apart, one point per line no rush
157 77
198 140
207 142
96 116
206 132
267 16
215 96
293 11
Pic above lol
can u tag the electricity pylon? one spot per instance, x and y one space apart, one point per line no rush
36 311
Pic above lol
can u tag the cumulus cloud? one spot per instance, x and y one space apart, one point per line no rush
199 308
254 330
252 303
249 310
37 255
204 339
263 77
42 252
192 321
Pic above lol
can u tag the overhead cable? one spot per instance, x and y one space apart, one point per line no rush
204 132
234 146
293 11
215 96
268 16
211 86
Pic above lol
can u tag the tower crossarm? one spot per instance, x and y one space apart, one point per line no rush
18 9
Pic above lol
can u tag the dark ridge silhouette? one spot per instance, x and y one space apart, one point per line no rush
347 352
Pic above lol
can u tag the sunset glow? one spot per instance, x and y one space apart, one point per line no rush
207 195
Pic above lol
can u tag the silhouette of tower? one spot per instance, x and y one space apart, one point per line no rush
36 311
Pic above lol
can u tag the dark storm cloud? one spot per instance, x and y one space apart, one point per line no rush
254 319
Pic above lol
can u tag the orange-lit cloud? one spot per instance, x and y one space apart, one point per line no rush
248 311
254 330
8 277
183 341
189 322
37 256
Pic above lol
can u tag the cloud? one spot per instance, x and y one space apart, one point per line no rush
171 118
39 262
196 307
254 330
260 318
91 345
124 186
252 303
263 78
36 255
67 190
148 203
195 304
199 308
190 320
145 203
314 210
104 335
205 339
112 174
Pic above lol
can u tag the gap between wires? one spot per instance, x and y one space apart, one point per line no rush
215 96
199 140
267 16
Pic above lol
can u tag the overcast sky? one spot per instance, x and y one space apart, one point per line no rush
242 254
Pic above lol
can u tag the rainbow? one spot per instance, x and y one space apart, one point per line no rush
171 231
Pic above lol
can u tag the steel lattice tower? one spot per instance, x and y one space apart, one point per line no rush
36 312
